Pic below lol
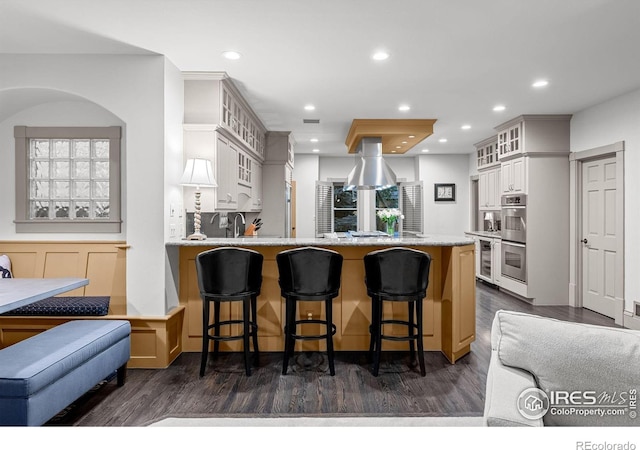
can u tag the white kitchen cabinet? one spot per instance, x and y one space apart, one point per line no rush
256 187
489 189
539 168
487 153
212 98
226 174
206 141
249 183
235 142
533 133
510 141
513 174
277 197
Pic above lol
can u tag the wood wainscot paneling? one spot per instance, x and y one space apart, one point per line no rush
155 341
449 307
458 301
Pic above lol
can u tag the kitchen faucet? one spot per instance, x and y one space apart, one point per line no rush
236 230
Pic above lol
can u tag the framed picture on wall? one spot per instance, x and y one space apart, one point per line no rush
444 192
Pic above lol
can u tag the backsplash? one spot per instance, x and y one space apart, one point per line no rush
213 229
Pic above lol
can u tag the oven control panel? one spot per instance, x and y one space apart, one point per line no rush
514 200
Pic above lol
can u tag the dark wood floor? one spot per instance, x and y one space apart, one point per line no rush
308 389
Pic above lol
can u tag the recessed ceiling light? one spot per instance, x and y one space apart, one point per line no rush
466 127
499 108
398 146
425 150
393 151
540 83
404 108
380 55
309 107
404 142
411 136
314 139
443 140
315 150
231 54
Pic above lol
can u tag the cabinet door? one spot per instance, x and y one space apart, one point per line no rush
483 190
226 173
491 188
497 189
256 187
515 141
510 141
503 143
496 265
505 175
518 175
477 245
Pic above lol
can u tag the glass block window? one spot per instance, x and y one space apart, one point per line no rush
67 176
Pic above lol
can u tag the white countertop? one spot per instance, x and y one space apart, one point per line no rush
440 240
489 234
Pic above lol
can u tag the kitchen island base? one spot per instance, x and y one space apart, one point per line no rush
449 307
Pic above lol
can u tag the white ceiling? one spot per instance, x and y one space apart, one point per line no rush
451 60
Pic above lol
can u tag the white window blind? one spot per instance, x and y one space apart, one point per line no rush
411 206
324 207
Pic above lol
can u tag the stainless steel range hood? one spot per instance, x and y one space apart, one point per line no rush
371 170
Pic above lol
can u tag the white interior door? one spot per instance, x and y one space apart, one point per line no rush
599 239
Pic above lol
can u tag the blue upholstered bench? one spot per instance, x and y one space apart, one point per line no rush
65 306
44 374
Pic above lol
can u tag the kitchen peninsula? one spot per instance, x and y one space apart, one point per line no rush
449 309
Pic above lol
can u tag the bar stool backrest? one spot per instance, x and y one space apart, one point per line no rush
309 271
229 271
397 271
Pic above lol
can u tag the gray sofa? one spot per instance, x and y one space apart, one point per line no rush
550 372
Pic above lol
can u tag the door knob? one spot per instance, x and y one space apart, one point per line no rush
584 241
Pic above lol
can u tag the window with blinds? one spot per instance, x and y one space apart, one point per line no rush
337 210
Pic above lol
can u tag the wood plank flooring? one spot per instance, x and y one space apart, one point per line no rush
447 390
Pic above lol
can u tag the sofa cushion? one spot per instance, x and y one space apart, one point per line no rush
5 267
588 372
65 306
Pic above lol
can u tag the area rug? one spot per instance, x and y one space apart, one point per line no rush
300 421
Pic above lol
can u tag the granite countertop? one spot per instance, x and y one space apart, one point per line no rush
490 234
427 240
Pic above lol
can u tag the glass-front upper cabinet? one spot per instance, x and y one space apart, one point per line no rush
487 152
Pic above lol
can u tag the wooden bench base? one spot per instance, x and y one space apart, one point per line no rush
155 341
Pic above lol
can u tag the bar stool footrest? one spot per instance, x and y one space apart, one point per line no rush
253 326
314 337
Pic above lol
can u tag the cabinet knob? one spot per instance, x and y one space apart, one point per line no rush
584 241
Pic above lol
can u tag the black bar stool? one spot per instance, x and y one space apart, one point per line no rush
229 274
397 274
308 274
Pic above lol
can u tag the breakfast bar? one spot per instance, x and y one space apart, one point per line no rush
449 307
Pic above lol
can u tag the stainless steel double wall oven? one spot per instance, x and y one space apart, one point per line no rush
514 236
